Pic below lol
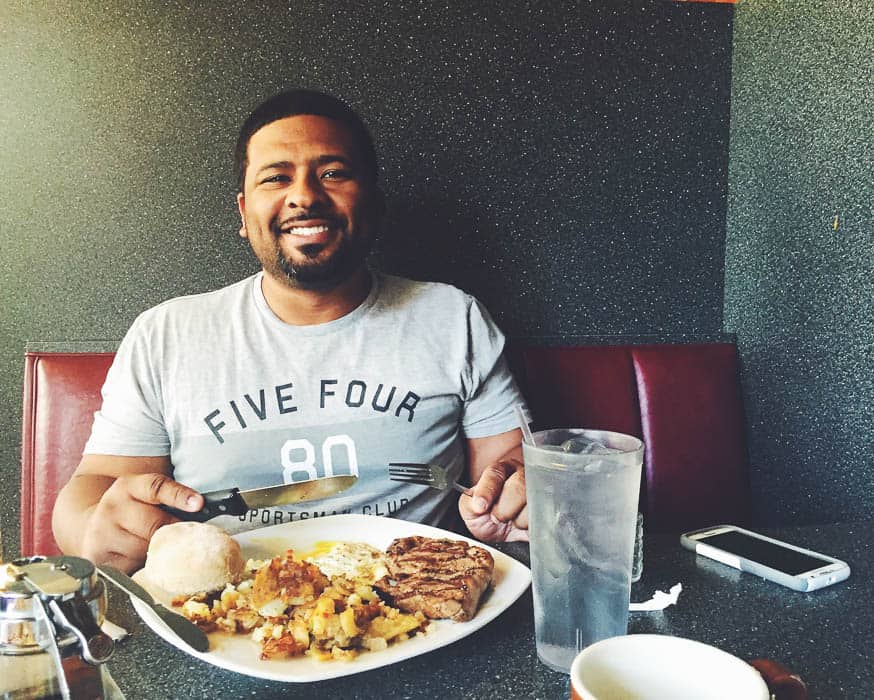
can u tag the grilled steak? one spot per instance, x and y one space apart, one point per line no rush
442 578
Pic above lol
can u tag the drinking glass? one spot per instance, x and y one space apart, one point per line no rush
582 488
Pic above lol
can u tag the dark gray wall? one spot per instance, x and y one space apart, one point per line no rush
565 161
800 253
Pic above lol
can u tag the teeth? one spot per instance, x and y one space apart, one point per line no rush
306 230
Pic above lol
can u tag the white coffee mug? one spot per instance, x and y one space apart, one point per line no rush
656 667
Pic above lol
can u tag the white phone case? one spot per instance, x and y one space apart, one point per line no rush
833 571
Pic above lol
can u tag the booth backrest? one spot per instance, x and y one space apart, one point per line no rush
683 401
61 393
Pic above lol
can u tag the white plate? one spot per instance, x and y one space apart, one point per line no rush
239 653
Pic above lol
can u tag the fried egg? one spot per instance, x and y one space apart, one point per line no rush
354 560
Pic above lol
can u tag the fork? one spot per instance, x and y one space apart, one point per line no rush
431 475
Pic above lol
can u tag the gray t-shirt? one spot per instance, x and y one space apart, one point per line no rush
237 397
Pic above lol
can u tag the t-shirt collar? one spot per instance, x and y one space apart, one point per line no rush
317 328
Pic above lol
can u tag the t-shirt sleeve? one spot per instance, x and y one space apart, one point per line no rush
491 391
130 420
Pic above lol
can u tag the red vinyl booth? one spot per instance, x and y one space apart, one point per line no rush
61 394
684 401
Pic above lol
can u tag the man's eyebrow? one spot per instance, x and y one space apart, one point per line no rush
334 158
320 160
277 165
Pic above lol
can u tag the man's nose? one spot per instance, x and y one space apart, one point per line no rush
304 191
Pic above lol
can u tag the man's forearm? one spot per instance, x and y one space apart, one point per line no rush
483 452
74 506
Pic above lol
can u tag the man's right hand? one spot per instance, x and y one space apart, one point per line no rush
121 523
108 511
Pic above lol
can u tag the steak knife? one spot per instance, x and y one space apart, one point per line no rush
186 630
236 502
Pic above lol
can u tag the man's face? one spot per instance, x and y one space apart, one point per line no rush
308 208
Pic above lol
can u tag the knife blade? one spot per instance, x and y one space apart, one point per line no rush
236 502
186 630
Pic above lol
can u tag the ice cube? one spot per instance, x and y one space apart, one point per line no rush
551 555
585 446
570 536
601 466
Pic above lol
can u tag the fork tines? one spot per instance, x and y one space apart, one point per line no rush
409 467
405 471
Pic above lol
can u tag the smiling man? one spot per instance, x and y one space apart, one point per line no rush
314 367
309 203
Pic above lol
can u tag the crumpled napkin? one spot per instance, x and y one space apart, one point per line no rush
115 631
659 601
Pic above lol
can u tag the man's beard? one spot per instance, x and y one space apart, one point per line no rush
320 275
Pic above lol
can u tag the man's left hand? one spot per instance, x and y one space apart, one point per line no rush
497 511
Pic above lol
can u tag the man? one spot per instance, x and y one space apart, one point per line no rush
313 367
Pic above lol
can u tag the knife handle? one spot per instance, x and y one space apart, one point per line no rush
224 502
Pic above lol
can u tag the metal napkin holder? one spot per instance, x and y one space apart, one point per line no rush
54 606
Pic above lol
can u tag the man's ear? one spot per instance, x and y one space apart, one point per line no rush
241 206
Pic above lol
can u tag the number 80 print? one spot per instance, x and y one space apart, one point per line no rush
300 456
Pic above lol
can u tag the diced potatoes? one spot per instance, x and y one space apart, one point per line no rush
196 611
347 623
376 643
274 608
229 598
300 632
394 627
333 623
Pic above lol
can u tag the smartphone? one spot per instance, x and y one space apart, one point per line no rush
786 564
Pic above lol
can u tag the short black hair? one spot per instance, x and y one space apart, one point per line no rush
294 102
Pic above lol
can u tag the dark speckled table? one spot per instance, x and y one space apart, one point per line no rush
826 636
